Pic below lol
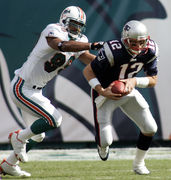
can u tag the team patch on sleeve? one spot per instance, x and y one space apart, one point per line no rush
51 34
100 55
53 30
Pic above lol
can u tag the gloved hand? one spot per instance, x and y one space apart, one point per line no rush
96 45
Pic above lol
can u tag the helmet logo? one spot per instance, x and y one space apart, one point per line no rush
51 34
66 11
127 28
64 14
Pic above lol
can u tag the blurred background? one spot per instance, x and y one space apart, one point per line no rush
21 23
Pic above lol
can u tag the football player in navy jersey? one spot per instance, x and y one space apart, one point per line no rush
122 60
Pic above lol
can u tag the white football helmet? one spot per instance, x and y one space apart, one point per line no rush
73 19
135 37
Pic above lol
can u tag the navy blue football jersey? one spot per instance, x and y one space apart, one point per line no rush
114 62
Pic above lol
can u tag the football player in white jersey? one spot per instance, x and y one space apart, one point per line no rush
121 59
59 44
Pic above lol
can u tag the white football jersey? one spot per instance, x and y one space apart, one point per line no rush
44 63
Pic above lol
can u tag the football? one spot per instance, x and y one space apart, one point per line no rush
118 87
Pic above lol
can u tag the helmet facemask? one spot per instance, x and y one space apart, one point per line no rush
135 46
74 28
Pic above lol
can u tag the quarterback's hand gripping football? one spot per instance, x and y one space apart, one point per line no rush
96 45
129 85
107 92
111 95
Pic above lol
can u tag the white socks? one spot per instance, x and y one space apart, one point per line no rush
25 134
12 159
139 157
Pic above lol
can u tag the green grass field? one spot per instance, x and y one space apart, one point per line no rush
94 170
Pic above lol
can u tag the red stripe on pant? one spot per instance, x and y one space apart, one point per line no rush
32 106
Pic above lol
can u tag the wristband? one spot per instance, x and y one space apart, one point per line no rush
142 82
94 82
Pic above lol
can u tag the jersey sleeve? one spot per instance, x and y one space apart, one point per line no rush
54 30
150 67
101 63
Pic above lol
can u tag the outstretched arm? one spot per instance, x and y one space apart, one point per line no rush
71 46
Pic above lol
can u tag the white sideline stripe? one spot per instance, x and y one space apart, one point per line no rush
89 154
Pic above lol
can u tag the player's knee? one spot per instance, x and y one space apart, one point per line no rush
58 119
154 130
151 130
38 137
